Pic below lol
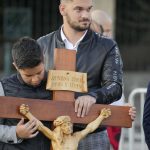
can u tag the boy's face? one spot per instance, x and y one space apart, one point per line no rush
32 76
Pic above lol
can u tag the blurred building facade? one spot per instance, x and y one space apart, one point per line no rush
24 18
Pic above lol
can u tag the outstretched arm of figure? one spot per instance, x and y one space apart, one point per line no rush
24 110
105 113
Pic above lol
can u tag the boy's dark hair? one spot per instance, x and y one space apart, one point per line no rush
26 53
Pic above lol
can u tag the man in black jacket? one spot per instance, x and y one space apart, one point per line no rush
30 82
99 57
146 117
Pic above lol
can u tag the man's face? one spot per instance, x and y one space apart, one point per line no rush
104 29
33 76
107 29
101 23
67 128
77 14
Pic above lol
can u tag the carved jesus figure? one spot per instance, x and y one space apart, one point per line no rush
62 137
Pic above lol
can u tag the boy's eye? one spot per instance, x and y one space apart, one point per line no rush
78 8
39 73
28 75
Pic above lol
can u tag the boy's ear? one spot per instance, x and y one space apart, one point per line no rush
15 66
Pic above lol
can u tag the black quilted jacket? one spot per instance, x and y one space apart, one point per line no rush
96 55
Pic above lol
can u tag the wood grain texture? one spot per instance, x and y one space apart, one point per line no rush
50 110
64 60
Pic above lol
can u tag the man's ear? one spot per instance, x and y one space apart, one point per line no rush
62 9
15 66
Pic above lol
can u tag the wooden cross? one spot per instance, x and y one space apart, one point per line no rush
63 101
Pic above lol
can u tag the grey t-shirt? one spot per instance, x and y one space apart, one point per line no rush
1 90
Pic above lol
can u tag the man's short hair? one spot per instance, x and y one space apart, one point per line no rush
26 53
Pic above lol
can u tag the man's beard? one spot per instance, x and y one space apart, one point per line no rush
76 26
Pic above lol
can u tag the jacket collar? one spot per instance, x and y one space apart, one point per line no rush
87 38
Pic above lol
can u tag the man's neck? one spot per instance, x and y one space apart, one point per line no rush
72 35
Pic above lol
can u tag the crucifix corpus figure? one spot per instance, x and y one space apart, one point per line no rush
62 137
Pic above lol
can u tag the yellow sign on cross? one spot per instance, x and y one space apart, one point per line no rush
67 80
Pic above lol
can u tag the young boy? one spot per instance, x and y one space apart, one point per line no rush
29 82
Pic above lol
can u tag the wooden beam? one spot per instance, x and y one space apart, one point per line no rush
64 60
49 110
